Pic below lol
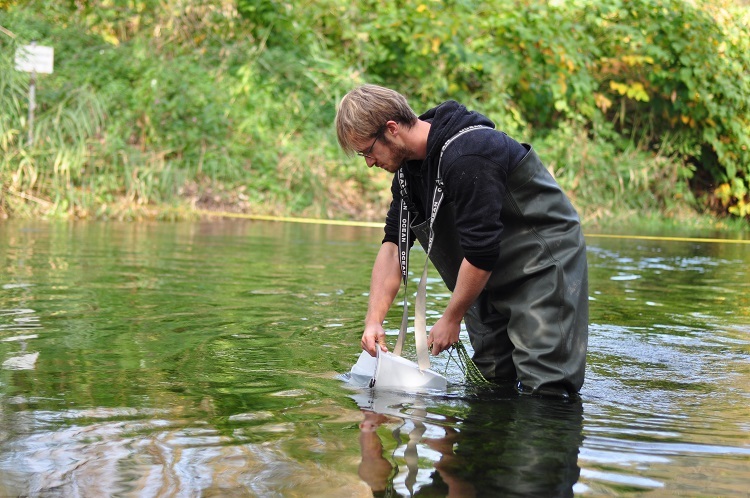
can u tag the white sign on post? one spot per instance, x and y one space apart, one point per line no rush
35 59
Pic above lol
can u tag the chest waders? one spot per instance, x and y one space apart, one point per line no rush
530 323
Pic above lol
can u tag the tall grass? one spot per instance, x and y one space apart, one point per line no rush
48 171
607 182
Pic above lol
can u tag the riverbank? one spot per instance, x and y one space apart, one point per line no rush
223 203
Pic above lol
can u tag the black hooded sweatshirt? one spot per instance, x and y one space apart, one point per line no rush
474 171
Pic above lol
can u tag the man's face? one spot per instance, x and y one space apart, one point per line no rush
386 154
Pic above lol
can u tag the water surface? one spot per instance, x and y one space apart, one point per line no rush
205 359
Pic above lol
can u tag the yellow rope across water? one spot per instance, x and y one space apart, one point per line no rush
314 221
670 239
369 224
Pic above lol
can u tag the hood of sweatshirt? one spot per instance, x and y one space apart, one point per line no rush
446 120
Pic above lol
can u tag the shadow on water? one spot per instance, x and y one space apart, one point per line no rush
490 443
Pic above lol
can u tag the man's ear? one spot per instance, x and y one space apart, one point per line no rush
392 128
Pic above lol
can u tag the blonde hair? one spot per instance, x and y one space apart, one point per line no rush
363 112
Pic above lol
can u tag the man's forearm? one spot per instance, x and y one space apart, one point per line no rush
385 283
469 284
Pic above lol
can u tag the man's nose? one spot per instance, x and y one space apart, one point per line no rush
370 162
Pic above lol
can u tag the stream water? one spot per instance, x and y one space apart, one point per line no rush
206 359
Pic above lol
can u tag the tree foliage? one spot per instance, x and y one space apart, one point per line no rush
637 95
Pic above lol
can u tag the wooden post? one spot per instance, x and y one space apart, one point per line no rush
32 106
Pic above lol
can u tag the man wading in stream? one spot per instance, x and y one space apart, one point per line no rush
507 241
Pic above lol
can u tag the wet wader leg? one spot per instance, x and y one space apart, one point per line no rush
548 326
488 333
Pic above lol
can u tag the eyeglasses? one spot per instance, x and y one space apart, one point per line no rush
369 150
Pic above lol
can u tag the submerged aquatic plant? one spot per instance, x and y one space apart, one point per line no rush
470 370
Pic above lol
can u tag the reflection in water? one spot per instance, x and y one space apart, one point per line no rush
501 445
19 320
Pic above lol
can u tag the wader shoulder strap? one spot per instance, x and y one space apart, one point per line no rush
403 257
420 312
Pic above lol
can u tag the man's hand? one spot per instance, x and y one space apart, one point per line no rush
372 337
443 335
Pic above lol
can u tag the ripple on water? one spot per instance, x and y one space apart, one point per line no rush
109 452
657 399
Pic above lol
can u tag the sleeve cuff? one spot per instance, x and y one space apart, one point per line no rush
484 262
